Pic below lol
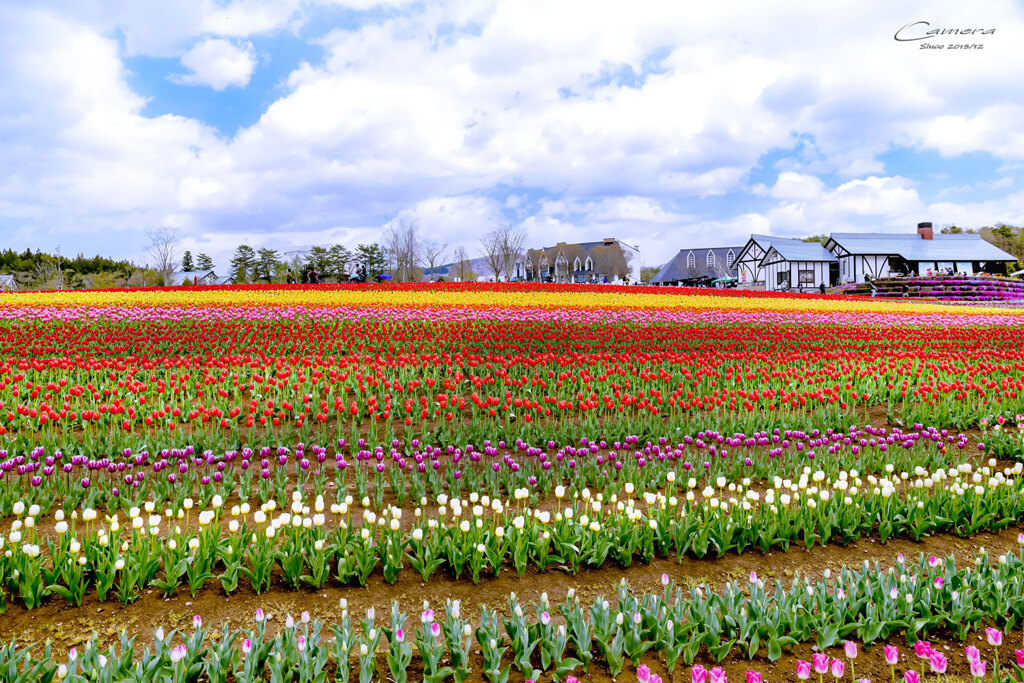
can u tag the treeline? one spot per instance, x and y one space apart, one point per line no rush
41 270
331 264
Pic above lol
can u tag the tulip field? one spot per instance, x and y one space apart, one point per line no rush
503 482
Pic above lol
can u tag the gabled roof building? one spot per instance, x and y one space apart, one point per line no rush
749 270
874 255
577 262
709 263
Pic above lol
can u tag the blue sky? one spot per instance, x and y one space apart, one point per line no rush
287 123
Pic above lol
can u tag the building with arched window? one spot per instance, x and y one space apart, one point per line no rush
604 261
698 266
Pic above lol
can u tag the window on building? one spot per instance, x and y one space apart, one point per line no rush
711 259
730 259
806 277
590 264
576 264
781 277
691 261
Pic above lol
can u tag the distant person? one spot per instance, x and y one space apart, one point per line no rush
290 279
821 288
906 290
314 277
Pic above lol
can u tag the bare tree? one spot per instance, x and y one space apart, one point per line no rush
513 246
163 250
534 258
493 243
401 238
433 251
463 266
611 260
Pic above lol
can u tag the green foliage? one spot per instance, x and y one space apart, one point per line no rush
243 264
373 257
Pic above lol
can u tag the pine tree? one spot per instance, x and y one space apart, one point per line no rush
186 263
339 257
319 258
373 257
266 266
204 262
242 264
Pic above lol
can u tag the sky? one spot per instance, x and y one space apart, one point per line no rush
669 125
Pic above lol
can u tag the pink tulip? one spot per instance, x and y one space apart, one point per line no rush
803 670
643 673
994 637
698 674
972 653
937 661
655 678
820 662
892 655
939 582
911 677
717 675
922 649
1020 657
838 668
851 649
572 679
753 677
978 668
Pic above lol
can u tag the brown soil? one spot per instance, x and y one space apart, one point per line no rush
67 627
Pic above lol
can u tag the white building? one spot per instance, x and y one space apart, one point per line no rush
797 266
749 270
875 255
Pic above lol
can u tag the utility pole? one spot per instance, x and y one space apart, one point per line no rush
60 275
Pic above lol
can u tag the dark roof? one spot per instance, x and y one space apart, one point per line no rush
676 269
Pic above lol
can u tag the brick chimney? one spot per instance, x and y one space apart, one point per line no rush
925 230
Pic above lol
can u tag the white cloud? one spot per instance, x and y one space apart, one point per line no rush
218 63
797 186
623 125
